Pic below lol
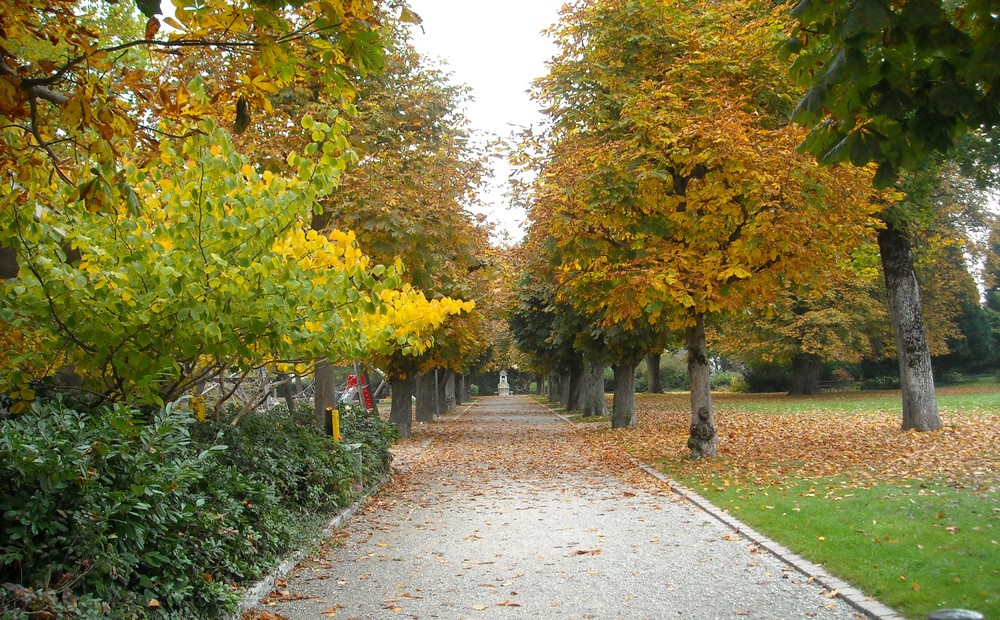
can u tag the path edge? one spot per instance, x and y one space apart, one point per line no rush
854 597
252 595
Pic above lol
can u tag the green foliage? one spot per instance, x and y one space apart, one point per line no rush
739 384
204 259
308 471
722 380
767 377
375 436
892 83
112 504
117 508
474 390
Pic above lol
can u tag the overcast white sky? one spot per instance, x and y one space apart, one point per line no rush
496 48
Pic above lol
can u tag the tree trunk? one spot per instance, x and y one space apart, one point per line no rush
324 395
426 397
540 385
575 402
565 386
459 385
623 405
703 441
555 388
450 400
401 412
593 389
805 374
286 390
8 263
653 370
920 409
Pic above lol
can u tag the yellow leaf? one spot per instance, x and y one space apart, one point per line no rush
72 112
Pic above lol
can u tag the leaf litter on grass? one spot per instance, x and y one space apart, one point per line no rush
761 448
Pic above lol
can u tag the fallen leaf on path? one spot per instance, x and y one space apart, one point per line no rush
480 607
265 615
586 552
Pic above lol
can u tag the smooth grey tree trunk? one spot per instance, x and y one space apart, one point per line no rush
426 397
565 385
401 411
916 380
450 400
286 390
703 440
555 388
593 389
653 370
575 402
806 368
324 395
623 404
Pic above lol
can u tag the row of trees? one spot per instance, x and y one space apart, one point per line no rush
669 197
147 249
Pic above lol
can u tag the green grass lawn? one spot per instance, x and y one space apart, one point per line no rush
916 547
984 398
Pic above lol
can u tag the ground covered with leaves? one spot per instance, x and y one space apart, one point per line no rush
501 510
911 518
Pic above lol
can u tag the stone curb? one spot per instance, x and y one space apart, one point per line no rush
253 594
852 596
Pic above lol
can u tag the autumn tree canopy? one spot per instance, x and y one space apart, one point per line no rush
153 251
670 188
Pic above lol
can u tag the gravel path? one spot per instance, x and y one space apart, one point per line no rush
502 511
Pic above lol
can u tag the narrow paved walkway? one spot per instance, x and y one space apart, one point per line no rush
501 511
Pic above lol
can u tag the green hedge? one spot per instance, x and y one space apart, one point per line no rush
114 513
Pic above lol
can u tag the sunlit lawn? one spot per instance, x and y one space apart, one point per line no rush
910 518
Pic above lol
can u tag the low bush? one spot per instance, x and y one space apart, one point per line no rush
115 513
883 382
723 380
767 377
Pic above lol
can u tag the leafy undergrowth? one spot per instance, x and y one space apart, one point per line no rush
911 518
115 513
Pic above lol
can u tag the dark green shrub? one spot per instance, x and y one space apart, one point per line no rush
722 380
375 436
767 377
882 382
309 472
105 511
113 505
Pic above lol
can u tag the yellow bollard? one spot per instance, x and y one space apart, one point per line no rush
334 423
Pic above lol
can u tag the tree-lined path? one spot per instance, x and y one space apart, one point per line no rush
504 511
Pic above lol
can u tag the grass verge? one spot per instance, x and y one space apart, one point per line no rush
915 546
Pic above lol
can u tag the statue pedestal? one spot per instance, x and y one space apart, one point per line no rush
504 388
